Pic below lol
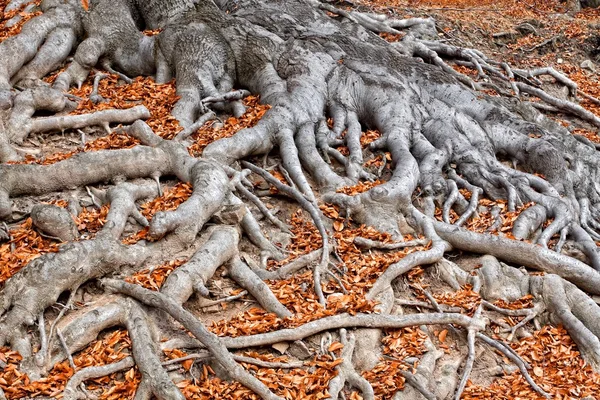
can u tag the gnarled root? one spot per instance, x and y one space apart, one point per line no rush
112 35
38 42
210 340
37 286
566 304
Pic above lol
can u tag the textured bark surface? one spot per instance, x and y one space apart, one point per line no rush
328 77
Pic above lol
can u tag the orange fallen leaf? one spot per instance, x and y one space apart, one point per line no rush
187 364
338 226
335 346
442 335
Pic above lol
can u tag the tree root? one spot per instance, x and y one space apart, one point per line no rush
38 37
195 273
314 213
100 166
72 392
99 118
30 291
210 340
534 257
346 372
441 137
471 334
566 303
423 380
54 221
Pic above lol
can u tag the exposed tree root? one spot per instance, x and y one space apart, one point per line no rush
72 391
31 290
211 341
451 149
39 43
347 373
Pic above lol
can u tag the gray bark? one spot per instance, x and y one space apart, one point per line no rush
309 66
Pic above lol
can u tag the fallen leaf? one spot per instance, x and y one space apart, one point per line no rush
281 346
442 335
335 346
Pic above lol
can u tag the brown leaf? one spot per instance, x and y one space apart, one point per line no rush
442 335
335 346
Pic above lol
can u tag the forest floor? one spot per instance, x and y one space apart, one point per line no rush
524 33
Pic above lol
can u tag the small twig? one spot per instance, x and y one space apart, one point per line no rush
93 197
242 359
531 315
268 364
424 304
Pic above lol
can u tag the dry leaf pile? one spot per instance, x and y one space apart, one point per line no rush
464 298
360 187
519 304
154 278
297 383
170 200
398 344
482 222
158 99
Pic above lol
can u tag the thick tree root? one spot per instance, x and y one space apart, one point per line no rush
101 166
220 248
521 253
112 36
99 118
56 222
39 43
